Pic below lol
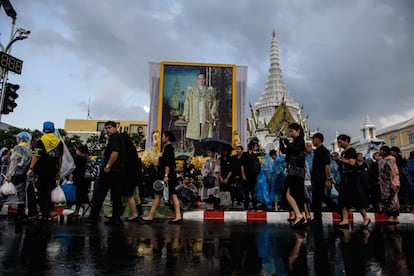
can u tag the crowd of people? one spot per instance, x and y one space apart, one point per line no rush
304 179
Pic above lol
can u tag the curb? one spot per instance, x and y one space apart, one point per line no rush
281 217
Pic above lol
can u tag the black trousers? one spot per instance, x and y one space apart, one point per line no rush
319 196
113 181
248 188
45 184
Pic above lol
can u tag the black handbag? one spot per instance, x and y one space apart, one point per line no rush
392 205
209 181
294 170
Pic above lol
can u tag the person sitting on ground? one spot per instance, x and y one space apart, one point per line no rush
211 169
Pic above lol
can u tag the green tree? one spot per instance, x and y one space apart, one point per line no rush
73 142
95 143
7 138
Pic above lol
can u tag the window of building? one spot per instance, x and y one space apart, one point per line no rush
411 138
393 141
100 126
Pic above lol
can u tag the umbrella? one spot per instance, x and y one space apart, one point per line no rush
218 144
183 157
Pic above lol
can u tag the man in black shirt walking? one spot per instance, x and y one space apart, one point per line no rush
112 176
321 179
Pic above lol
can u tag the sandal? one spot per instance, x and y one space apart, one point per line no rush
85 210
53 218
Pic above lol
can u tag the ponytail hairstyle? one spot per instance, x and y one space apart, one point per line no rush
297 127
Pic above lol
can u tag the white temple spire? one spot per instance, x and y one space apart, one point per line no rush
275 91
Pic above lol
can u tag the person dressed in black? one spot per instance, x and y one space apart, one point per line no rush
46 164
374 187
189 168
295 180
236 176
133 178
112 176
250 169
321 179
81 183
225 174
168 175
352 193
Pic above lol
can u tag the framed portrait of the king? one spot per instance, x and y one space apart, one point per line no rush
197 103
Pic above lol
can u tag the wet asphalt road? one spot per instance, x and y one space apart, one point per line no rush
204 248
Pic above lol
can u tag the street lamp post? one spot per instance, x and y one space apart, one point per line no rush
15 35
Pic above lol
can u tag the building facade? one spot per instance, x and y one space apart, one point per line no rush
399 135
368 143
87 128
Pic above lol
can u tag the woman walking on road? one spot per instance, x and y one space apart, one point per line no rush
295 180
352 194
389 180
168 175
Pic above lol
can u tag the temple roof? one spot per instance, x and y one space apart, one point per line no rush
281 119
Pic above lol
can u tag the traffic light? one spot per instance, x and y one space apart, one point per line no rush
10 95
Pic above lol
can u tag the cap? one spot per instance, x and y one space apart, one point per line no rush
24 136
48 126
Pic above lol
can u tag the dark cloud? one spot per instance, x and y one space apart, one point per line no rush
341 59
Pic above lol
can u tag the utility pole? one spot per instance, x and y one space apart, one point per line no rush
7 61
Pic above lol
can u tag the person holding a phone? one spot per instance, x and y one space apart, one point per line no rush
352 193
295 180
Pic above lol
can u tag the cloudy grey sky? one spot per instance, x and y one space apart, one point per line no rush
341 59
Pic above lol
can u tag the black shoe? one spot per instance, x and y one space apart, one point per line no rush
113 222
136 219
315 221
300 223
365 226
174 221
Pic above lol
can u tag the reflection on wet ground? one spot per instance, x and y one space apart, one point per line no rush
209 248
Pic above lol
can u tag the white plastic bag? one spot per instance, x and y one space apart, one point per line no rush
8 188
334 191
68 164
165 193
58 196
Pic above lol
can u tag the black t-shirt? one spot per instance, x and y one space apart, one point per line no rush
295 151
348 154
79 172
321 158
116 144
167 160
225 166
251 164
48 161
236 163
